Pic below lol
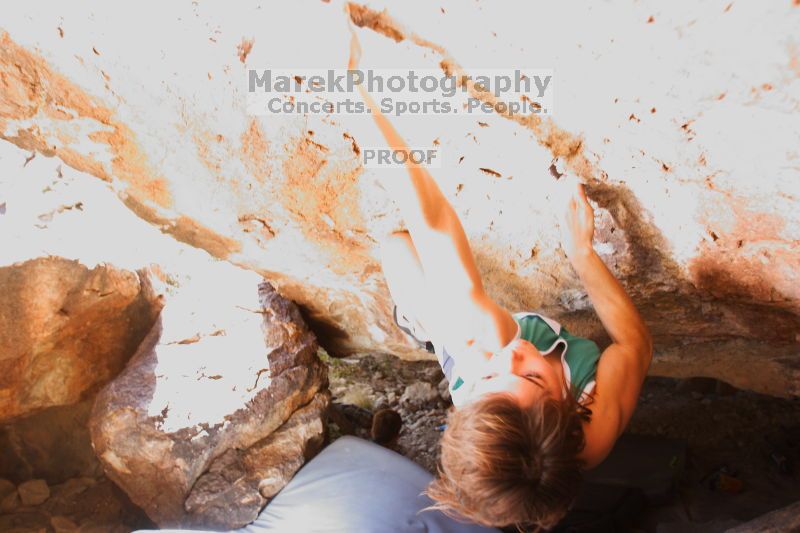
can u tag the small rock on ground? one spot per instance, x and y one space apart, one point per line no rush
34 492
62 524
419 393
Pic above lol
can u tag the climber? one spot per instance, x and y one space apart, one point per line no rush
534 405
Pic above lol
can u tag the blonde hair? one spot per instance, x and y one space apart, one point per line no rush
502 464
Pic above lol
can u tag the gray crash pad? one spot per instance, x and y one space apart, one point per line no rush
354 485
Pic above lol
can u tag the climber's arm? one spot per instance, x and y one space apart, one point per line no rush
623 365
445 254
615 309
443 249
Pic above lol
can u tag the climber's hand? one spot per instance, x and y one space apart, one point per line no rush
578 227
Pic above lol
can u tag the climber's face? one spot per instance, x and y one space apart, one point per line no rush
521 370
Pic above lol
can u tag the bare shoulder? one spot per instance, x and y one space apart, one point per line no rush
620 374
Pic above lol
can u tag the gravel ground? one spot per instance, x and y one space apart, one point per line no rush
754 438
411 388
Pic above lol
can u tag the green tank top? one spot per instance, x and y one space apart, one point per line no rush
579 356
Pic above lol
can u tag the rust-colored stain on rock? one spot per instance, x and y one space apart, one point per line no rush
186 229
244 48
29 87
255 151
323 197
381 22
745 261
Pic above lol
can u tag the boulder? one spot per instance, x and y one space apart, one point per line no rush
239 483
697 218
66 329
226 365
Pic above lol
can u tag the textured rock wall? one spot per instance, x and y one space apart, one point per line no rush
223 370
682 119
66 330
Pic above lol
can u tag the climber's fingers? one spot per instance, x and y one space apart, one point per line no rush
566 191
577 225
582 193
572 194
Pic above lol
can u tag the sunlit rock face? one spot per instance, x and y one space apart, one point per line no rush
66 330
239 482
223 369
680 117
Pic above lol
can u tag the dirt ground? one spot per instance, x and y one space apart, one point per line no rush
751 438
